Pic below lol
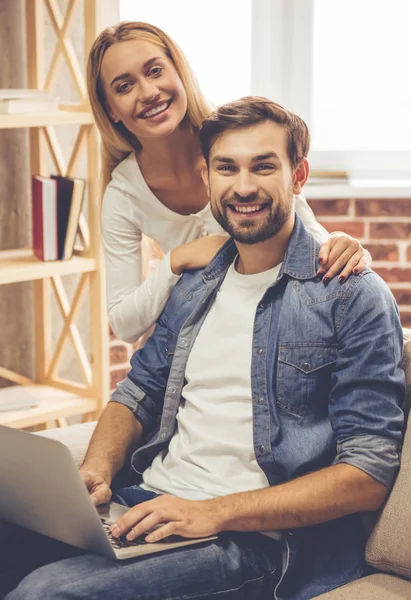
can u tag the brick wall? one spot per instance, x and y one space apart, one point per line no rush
382 226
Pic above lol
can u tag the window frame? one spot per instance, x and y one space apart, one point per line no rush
282 44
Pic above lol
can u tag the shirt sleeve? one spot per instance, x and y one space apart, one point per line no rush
144 388
133 304
368 385
307 215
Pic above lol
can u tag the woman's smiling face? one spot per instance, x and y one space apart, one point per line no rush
143 89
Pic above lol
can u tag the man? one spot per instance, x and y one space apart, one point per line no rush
264 407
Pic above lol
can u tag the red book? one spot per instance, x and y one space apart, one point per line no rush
44 217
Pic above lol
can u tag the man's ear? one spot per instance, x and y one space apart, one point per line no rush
300 176
204 177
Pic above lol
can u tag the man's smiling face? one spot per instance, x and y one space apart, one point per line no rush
251 182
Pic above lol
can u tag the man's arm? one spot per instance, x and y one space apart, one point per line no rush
133 409
320 496
116 434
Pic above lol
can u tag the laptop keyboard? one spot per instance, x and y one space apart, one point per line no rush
122 541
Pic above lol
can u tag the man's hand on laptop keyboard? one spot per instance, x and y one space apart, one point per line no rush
176 516
98 488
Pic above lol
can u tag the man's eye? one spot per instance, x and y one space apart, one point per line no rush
156 71
226 168
264 167
123 87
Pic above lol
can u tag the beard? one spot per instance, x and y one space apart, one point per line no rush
246 230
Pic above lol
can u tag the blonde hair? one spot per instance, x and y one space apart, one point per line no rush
117 140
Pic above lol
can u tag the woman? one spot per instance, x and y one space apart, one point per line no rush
148 107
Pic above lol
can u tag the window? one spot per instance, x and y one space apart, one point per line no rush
340 64
361 83
343 66
214 35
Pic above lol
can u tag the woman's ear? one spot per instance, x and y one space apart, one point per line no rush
110 113
113 117
300 176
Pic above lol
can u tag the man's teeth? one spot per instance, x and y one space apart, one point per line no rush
247 209
155 110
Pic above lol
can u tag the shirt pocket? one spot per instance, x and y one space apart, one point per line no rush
304 377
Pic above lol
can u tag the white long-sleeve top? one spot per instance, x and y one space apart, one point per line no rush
130 209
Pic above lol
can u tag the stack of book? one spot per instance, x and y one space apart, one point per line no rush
56 208
24 101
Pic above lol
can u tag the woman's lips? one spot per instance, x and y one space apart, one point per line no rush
156 111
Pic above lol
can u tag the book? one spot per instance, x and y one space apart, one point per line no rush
44 217
21 106
70 194
17 397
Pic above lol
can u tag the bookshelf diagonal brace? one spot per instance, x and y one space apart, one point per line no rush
64 47
55 150
69 329
79 144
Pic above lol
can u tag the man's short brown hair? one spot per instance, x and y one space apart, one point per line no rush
252 110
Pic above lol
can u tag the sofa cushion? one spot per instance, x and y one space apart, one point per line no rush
374 587
388 548
75 437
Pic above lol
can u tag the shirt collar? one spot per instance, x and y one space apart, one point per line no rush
300 260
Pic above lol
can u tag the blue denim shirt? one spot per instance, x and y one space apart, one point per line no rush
326 389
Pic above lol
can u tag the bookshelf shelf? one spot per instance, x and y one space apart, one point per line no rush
54 405
62 398
45 119
22 265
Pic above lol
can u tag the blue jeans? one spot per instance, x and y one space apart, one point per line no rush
236 566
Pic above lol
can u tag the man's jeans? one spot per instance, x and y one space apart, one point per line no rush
235 566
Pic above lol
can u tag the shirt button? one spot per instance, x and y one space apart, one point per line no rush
163 435
261 449
185 343
262 305
173 390
260 401
259 350
306 366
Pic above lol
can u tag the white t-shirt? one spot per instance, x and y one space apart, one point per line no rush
129 209
212 452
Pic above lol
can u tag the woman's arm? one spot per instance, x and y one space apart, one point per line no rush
339 253
133 304
306 214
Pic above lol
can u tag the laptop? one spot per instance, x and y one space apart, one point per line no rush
42 490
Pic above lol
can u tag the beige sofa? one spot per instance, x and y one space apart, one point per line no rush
389 545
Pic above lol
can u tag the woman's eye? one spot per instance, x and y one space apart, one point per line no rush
123 87
156 71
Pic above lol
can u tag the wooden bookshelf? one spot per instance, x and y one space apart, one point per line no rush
59 398
45 119
68 404
22 265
